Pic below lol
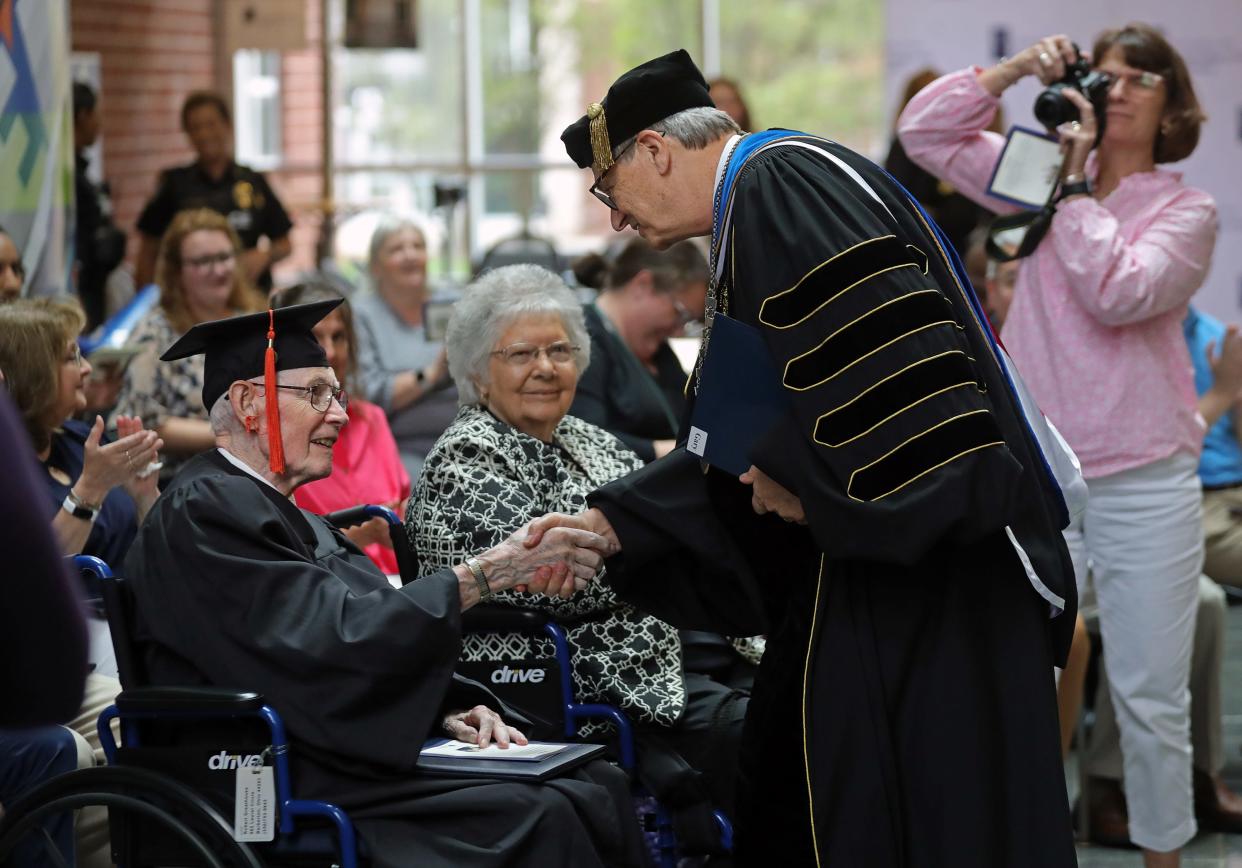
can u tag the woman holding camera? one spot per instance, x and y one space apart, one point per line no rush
1095 327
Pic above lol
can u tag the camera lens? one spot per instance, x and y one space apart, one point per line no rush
1052 108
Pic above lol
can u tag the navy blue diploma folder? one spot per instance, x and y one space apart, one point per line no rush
740 397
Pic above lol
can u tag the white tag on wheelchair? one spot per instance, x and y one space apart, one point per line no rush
254 810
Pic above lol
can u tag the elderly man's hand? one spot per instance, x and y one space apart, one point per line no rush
561 562
592 520
480 725
768 495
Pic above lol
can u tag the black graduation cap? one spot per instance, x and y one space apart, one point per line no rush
639 98
244 347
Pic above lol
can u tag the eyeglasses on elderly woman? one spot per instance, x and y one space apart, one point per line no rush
521 354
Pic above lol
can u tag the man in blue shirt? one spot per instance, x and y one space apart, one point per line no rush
1216 352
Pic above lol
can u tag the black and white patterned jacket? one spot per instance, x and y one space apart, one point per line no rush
482 481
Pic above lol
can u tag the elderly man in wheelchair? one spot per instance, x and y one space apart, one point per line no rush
232 585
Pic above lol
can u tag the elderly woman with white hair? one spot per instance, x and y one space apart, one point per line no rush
400 367
517 343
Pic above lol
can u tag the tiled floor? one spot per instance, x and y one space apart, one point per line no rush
1206 851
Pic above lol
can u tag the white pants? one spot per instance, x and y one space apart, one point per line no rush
1142 535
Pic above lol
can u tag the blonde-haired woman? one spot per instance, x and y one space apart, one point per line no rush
97 496
199 281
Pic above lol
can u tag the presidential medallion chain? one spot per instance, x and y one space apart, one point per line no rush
715 250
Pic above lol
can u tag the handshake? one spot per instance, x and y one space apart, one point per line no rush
555 555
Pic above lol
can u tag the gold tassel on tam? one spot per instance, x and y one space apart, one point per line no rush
601 148
276 448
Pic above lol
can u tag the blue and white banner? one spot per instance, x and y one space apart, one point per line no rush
36 139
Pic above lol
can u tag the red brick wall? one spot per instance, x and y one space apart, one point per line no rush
154 52
300 184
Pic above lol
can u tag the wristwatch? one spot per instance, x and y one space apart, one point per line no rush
79 508
1074 185
476 570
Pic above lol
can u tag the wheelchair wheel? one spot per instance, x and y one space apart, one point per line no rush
153 797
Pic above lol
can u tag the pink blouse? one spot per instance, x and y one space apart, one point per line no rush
366 468
1096 321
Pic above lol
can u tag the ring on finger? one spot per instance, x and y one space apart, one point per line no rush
1045 59
1075 126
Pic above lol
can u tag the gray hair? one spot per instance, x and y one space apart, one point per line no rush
223 419
693 128
385 229
491 304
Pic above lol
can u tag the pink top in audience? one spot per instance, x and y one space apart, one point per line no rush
1096 321
366 468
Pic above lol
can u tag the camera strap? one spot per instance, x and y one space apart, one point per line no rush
1036 223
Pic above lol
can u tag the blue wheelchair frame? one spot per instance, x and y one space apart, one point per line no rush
195 703
532 623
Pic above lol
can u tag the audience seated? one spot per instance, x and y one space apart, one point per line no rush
102 478
199 281
1216 353
12 270
634 386
235 586
400 367
366 466
215 181
516 344
43 643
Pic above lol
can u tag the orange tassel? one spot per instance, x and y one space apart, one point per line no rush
276 449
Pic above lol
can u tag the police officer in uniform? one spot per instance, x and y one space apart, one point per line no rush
216 181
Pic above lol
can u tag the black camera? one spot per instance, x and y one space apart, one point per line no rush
1052 108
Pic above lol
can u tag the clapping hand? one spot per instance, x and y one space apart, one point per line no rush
120 462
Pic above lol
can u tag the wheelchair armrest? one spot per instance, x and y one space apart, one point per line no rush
503 619
194 700
355 515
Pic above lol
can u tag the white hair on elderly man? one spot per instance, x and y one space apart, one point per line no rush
495 301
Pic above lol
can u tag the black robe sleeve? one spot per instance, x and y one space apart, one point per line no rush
226 584
694 554
891 441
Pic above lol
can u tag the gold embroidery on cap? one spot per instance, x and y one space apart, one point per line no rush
601 148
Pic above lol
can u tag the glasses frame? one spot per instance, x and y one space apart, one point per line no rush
538 352
599 194
338 394
204 263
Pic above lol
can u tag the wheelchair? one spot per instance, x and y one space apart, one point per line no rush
160 818
541 688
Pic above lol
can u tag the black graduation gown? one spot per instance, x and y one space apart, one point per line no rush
235 587
904 712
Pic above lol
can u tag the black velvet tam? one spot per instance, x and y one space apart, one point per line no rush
646 94
235 346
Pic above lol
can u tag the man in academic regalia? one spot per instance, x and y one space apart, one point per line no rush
916 594
237 587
